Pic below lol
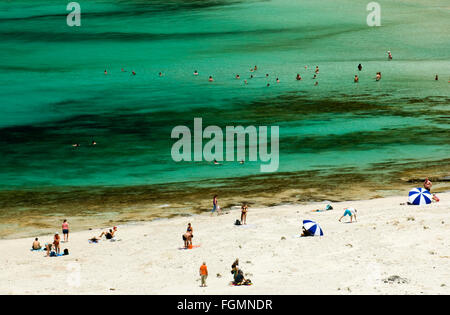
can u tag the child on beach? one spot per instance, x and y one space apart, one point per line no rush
351 212
65 230
203 274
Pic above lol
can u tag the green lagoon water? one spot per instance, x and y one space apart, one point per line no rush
53 93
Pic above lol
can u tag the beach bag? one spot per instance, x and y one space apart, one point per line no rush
237 222
66 252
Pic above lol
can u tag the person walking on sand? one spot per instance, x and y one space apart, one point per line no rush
190 231
203 274
215 205
244 210
65 230
351 212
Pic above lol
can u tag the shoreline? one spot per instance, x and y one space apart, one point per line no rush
389 240
30 213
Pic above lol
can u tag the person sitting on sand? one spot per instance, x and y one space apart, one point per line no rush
305 232
109 235
234 266
427 184
36 245
351 212
239 277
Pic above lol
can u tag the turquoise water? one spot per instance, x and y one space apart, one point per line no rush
54 93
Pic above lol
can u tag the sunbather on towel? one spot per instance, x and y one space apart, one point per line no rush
36 245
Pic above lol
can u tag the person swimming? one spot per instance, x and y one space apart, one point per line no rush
298 77
317 83
378 76
256 68
278 80
389 55
238 76
195 72
317 70
134 73
356 80
245 82
359 67
436 78
160 74
106 72
210 79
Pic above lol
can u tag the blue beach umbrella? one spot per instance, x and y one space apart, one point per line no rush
312 227
419 196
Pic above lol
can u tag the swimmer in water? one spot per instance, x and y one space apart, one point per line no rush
278 80
317 69
317 83
436 77
378 76
238 76
76 145
122 70
93 142
306 67
160 74
245 81
251 76
106 72
195 72
210 79
315 76
256 68
359 67
134 73
267 75
298 77
215 162
268 84
389 55
356 80
241 162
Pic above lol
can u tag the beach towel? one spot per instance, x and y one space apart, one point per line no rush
37 250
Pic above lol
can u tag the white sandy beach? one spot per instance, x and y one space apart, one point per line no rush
389 239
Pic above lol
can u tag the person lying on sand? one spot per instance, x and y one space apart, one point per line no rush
327 208
427 184
351 212
36 245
